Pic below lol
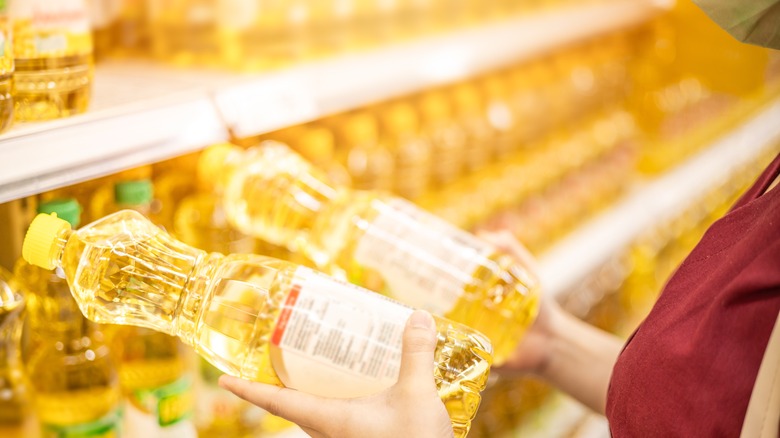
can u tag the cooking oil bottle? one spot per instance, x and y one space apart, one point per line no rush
412 152
152 372
13 395
447 138
368 161
381 242
185 32
472 116
200 221
53 58
6 69
252 316
102 196
71 373
260 35
173 181
500 114
317 145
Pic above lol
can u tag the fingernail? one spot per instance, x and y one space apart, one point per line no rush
421 319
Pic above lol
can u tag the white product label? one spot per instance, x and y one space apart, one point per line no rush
335 339
425 261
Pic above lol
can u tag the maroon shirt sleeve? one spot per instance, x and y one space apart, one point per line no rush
689 369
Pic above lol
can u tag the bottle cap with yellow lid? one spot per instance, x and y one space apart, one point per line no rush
359 128
400 118
212 161
41 241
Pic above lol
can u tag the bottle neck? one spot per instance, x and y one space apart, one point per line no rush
188 312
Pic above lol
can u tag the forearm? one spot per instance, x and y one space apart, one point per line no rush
580 360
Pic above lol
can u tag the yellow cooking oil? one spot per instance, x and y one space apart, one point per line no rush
185 32
173 181
379 241
53 59
13 394
250 315
261 35
73 380
470 113
412 152
102 193
368 161
447 137
500 114
317 145
200 221
6 69
152 372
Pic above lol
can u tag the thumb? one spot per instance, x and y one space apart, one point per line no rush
419 344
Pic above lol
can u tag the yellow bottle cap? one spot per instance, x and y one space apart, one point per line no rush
40 242
212 161
434 107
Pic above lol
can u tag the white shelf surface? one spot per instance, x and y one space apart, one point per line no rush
591 245
143 112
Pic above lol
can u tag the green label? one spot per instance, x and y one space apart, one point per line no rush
108 426
171 403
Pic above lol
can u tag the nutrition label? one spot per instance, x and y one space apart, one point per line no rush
333 338
425 261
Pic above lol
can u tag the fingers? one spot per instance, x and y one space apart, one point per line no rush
308 411
419 344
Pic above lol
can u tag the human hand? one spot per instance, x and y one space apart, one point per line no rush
533 352
410 408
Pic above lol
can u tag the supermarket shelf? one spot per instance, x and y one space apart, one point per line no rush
572 259
143 112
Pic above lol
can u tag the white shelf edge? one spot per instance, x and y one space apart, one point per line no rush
144 113
591 245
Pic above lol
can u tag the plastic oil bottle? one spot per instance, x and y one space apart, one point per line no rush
472 116
200 221
72 376
13 395
272 193
152 370
447 138
260 35
368 161
6 69
53 58
185 32
251 316
317 145
412 152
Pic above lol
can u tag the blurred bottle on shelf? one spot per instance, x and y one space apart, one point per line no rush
360 149
378 241
186 32
248 314
71 372
500 114
261 35
102 193
447 137
174 180
412 152
53 59
471 115
316 144
6 69
13 394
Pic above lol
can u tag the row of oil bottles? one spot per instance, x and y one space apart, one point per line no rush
617 297
253 34
47 49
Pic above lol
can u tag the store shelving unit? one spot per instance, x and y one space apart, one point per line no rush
142 113
592 244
